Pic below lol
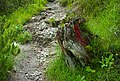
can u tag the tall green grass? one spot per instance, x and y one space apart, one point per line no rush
102 17
105 24
58 71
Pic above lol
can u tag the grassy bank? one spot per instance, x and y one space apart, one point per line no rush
11 33
102 17
102 20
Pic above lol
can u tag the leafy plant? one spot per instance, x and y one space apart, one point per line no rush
88 69
24 37
58 71
107 62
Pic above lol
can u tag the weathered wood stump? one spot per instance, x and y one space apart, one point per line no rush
72 45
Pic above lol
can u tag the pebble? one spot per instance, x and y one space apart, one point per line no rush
37 78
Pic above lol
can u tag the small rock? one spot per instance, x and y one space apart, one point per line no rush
47 54
37 78
41 79
48 8
38 73
42 58
39 51
33 18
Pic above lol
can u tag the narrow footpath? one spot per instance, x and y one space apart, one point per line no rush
33 60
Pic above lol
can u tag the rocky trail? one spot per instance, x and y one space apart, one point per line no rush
33 60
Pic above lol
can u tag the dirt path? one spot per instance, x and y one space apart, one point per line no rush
32 62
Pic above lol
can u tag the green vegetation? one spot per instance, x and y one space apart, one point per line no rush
7 7
105 24
102 20
12 32
98 70
58 71
102 17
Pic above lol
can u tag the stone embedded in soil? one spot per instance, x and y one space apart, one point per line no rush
37 78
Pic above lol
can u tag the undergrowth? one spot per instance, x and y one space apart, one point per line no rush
102 20
12 33
58 71
98 70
